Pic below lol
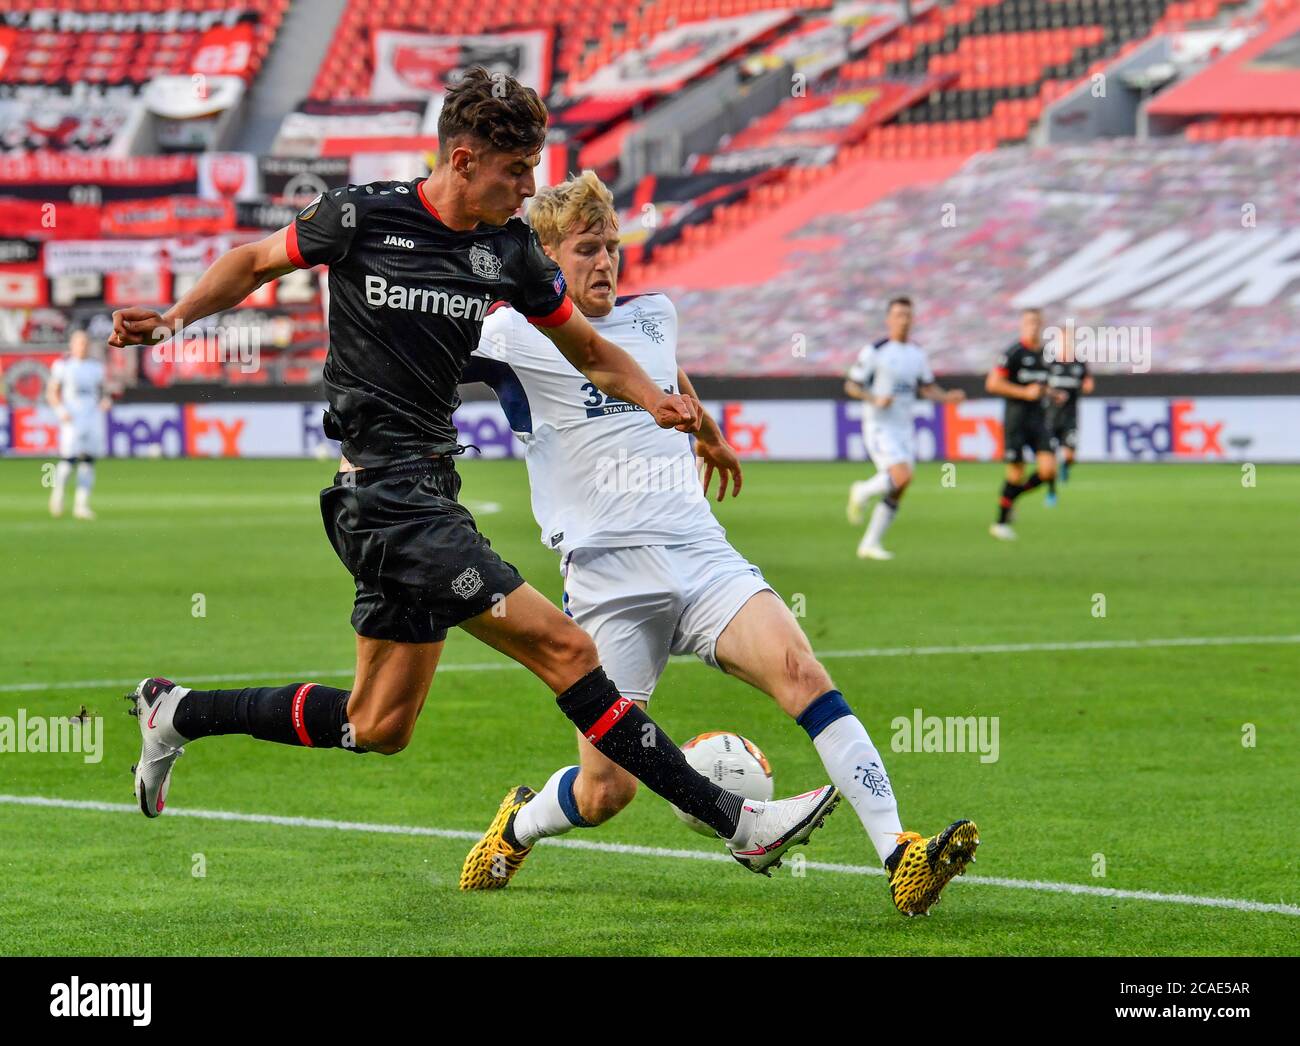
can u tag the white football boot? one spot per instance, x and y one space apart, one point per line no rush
154 703
1002 532
866 551
768 830
857 507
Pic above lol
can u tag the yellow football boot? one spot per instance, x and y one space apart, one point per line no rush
493 861
920 868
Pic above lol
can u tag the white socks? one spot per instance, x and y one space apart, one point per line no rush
856 769
878 485
85 483
881 516
552 811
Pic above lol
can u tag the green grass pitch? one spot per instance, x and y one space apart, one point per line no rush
1123 759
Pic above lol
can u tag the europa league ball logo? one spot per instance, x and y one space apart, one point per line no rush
227 174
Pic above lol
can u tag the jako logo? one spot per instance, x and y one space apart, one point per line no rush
1178 434
424 299
398 241
102 1000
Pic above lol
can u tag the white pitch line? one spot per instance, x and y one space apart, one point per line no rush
866 652
1038 885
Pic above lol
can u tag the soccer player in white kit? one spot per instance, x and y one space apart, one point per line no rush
648 569
887 378
76 392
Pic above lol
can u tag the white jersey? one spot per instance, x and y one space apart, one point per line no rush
891 368
603 474
81 387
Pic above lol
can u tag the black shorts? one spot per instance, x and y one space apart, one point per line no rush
1025 428
1063 427
419 561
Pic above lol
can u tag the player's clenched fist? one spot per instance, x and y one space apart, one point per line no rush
138 326
678 412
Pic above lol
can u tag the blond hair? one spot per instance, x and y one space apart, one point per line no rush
573 205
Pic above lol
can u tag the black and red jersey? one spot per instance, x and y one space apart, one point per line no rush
408 297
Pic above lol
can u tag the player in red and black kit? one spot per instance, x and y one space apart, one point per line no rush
1069 376
414 267
1020 377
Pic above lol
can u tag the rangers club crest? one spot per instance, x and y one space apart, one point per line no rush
484 262
467 582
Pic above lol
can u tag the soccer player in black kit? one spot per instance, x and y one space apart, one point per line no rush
1020 377
1070 377
414 267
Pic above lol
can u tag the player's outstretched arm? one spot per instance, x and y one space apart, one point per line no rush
231 279
617 374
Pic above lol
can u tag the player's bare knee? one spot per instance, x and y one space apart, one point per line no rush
571 654
803 680
385 735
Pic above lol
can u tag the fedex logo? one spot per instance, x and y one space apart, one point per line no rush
145 430
1177 434
484 427
32 431
209 436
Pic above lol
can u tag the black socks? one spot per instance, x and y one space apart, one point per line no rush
305 714
624 733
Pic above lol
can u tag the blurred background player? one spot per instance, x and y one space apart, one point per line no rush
76 392
648 569
886 377
1067 377
1020 377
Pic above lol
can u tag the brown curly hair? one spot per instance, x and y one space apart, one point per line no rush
495 109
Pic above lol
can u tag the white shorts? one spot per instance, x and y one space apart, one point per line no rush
889 446
643 603
79 438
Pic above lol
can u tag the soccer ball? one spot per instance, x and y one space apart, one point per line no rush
731 762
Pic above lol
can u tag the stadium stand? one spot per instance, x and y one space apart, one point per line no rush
130 42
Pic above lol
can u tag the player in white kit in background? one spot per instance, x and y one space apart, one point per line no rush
77 394
648 569
887 377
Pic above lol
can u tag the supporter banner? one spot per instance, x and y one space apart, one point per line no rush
173 215
63 124
229 176
225 50
302 132
259 215
1262 77
48 20
295 178
1206 429
810 130
822 44
59 177
75 257
423 65
19 251
660 206
49 219
677 55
